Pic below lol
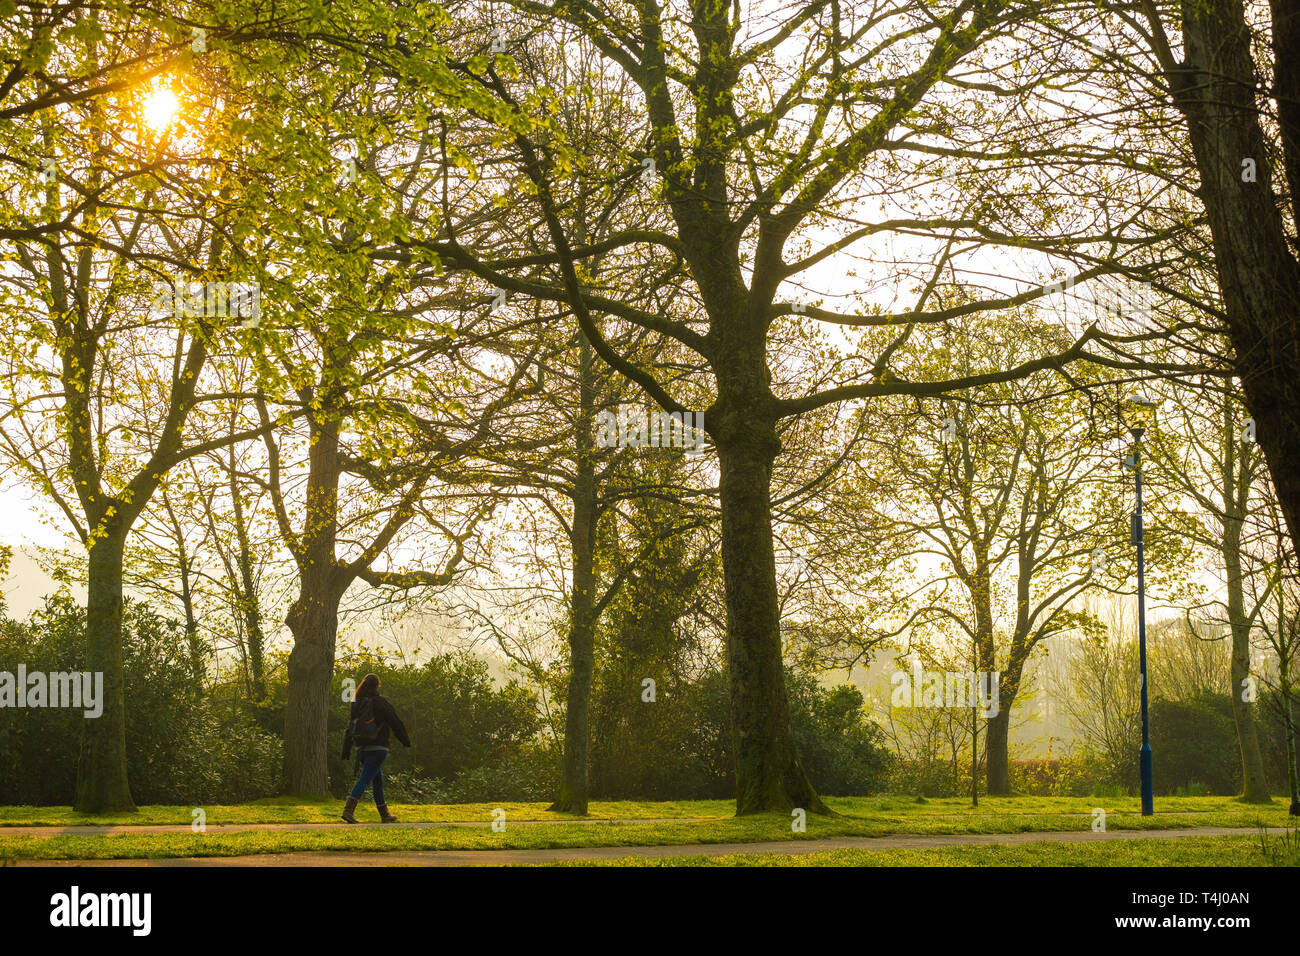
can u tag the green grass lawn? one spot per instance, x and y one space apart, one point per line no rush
885 809
860 816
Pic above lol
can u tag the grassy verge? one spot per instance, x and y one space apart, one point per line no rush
862 817
885 808
298 810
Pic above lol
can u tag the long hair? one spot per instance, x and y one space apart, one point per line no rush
368 687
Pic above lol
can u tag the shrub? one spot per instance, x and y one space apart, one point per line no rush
680 746
1194 741
1072 775
842 750
181 747
928 778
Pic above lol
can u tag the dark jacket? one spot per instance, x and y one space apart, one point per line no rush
386 717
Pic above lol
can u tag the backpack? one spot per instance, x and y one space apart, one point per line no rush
364 727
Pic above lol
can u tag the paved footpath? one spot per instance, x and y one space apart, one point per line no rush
784 847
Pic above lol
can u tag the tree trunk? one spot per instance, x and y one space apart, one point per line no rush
769 775
254 637
313 620
996 743
1254 787
1289 728
1236 493
102 785
1258 277
198 653
1293 778
572 796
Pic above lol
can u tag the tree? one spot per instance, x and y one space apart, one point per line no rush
1011 502
1215 88
747 175
1208 453
87 426
104 205
1101 691
1277 578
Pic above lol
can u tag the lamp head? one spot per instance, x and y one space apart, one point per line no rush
1138 414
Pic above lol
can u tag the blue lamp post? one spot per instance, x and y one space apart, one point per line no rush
1138 413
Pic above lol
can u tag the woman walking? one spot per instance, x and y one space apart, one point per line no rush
369 720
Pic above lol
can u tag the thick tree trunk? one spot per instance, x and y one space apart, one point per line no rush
572 796
996 746
769 775
313 620
1237 477
102 785
1254 787
1289 728
1258 275
1293 776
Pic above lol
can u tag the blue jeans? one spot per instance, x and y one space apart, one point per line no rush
371 762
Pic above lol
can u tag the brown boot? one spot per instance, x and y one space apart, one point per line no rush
384 815
348 808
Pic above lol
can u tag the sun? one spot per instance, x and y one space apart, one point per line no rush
161 108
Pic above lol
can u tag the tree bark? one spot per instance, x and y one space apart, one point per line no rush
1254 787
572 796
1215 89
313 621
997 744
101 767
198 655
1293 779
769 775
1289 728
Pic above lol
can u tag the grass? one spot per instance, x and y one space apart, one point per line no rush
858 816
298 810
900 809
1185 851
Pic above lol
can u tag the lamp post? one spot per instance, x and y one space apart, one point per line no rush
1138 413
